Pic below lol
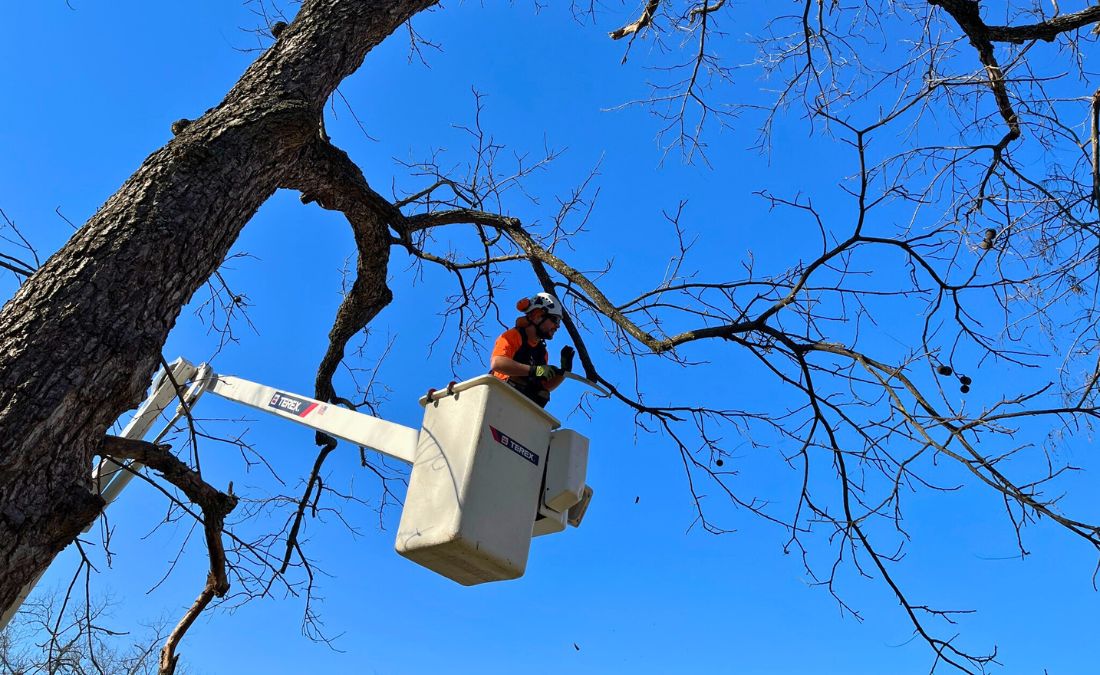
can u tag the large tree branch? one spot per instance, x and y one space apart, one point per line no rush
967 12
215 505
175 471
536 252
1045 30
325 174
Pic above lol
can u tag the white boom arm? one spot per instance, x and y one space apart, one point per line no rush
110 477
391 439
487 510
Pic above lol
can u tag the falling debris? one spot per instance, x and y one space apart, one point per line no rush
576 647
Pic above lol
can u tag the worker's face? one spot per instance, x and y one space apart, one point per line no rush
548 326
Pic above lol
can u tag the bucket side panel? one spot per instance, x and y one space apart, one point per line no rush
506 480
440 475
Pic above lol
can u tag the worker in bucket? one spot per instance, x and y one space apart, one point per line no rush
519 355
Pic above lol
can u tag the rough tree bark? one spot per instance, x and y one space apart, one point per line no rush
80 340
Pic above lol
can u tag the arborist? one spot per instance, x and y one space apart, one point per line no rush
519 355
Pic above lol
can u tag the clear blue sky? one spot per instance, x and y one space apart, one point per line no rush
92 90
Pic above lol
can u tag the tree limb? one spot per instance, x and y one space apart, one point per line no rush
215 505
642 22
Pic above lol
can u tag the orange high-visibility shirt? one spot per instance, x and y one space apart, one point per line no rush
510 344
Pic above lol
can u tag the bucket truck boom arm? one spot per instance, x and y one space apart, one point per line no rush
490 468
391 439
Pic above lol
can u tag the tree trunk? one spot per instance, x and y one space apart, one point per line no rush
81 339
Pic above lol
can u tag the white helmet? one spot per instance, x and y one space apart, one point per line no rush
543 301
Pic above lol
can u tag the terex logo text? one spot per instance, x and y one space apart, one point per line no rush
291 404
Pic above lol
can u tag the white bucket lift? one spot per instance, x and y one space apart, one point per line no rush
490 470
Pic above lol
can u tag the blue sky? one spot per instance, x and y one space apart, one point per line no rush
91 90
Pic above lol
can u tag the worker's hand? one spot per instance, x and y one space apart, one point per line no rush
567 358
544 372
